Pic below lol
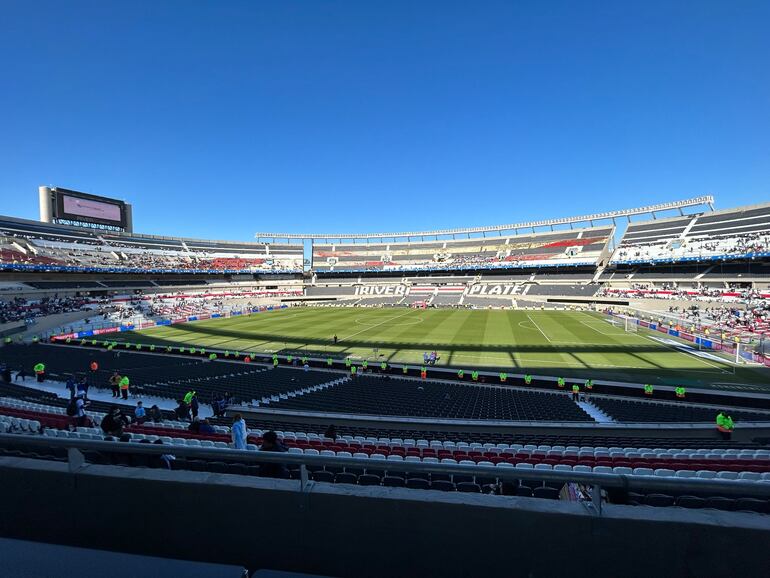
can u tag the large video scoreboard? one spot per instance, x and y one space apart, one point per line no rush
68 206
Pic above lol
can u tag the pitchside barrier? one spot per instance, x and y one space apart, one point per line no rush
115 328
738 349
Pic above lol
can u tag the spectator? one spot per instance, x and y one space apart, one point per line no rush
206 428
194 405
182 411
114 384
195 425
238 432
82 387
155 414
139 413
114 422
71 387
270 443
165 459
21 374
5 372
218 405
331 432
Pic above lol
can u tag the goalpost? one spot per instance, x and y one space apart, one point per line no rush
631 324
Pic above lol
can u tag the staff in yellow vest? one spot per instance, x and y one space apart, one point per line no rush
725 425
124 382
561 382
405 369
383 366
575 392
460 374
589 384
475 375
40 371
679 392
527 379
647 389
503 377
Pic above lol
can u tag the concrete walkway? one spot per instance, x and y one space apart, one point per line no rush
58 388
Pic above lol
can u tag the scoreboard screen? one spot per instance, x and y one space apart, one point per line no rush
82 207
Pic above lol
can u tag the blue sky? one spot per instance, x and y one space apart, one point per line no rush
218 119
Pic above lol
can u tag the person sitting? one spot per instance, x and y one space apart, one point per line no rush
270 443
139 413
155 414
205 427
195 426
182 411
114 422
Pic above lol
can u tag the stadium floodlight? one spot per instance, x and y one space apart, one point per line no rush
706 200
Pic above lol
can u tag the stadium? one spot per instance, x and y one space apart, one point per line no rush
395 289
571 367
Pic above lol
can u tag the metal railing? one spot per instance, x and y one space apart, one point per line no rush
597 481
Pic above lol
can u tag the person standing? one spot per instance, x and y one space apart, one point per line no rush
194 405
238 432
71 387
123 385
82 387
114 384
40 371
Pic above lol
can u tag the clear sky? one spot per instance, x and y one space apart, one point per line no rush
217 119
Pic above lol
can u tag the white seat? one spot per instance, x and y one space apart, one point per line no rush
727 475
582 469
602 470
448 461
684 474
328 453
430 460
752 476
504 465
705 474
467 462
395 458
377 457
643 471
221 445
191 442
562 468
361 456
411 459
622 470
311 452
523 466
207 444
664 473
543 467
344 454
250 447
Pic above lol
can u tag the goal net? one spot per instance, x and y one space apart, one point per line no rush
630 324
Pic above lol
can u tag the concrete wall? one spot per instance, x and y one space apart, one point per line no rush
350 531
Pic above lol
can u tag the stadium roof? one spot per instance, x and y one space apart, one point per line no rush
706 200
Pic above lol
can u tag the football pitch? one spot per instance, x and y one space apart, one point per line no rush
557 343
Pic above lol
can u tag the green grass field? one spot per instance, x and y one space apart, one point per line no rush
559 343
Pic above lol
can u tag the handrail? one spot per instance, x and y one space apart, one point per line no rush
723 487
